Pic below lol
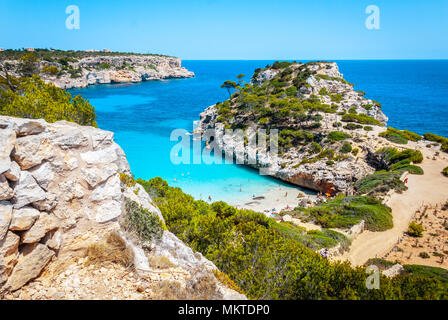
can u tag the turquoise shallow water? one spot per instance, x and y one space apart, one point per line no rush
413 94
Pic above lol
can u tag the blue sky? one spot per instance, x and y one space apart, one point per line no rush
228 29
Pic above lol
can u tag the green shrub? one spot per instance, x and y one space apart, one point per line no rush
336 97
399 136
338 136
52 70
346 147
424 255
442 140
315 148
352 126
415 230
323 92
445 172
360 118
103 66
380 183
145 224
368 128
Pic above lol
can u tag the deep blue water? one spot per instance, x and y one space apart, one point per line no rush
413 95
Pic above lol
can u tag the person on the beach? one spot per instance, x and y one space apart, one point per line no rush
286 194
406 180
210 198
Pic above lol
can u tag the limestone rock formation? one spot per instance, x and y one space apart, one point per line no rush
110 69
62 195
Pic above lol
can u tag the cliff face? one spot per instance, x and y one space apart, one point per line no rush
306 103
79 73
63 198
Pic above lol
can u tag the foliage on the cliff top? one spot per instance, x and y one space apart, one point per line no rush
266 261
344 212
52 55
280 103
400 136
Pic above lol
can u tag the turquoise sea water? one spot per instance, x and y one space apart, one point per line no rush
414 95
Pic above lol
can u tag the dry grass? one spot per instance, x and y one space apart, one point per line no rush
113 250
226 281
161 262
201 287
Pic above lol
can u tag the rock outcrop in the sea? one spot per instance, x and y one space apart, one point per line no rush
325 126
62 194
79 73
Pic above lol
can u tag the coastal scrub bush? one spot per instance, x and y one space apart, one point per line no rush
442 140
52 70
415 230
424 255
360 118
352 126
36 99
323 91
380 182
346 147
146 225
103 66
336 97
445 172
399 136
368 128
338 136
315 148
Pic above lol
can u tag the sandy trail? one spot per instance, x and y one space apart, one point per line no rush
430 188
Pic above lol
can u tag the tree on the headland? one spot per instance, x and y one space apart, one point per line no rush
29 65
240 78
6 80
228 85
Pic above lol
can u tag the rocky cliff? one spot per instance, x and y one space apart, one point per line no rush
316 112
80 72
63 200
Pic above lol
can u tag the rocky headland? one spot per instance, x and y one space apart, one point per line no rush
66 198
78 70
329 134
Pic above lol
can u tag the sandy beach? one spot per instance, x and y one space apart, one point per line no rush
277 198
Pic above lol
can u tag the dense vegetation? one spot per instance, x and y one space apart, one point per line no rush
30 97
266 259
344 212
393 163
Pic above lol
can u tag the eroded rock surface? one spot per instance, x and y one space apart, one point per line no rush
61 193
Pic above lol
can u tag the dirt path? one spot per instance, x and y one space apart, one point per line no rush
430 188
